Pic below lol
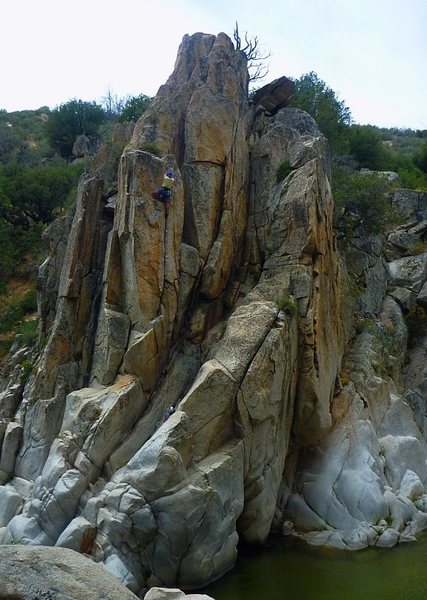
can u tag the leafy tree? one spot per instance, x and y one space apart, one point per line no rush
71 119
134 107
35 193
367 148
10 145
321 102
361 202
420 158
9 253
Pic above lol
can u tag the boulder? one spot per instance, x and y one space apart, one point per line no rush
41 572
410 204
158 593
391 176
81 146
409 272
406 298
275 95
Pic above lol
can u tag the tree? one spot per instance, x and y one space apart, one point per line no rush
361 201
12 147
71 119
34 194
251 48
134 107
320 101
366 147
112 105
420 158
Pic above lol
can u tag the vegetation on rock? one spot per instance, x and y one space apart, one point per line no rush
363 146
38 181
331 114
361 202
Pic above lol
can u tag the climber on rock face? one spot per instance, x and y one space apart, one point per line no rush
165 192
168 413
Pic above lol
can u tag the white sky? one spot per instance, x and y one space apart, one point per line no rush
372 53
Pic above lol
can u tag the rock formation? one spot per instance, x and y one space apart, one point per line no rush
41 573
47 573
234 308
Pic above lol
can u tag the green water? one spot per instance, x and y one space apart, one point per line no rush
285 570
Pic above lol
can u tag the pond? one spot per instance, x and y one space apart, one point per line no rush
287 570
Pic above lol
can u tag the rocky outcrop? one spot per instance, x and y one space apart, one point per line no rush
202 378
365 483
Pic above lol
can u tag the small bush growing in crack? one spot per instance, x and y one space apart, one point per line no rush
152 148
283 171
288 305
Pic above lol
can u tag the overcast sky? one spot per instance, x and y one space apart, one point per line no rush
372 53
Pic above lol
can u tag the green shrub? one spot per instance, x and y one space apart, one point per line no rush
4 290
29 331
27 368
283 170
10 318
366 324
71 119
366 147
152 148
362 205
5 345
288 305
331 114
135 107
15 312
28 301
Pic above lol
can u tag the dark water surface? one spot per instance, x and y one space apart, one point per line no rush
286 570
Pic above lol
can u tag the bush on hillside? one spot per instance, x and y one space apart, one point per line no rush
35 192
321 102
70 120
134 107
362 205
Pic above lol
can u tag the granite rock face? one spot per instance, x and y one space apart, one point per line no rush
203 378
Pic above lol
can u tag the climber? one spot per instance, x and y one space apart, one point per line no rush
168 413
165 192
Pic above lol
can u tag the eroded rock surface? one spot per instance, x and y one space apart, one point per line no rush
203 378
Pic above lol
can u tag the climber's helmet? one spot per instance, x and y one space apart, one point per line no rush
169 173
